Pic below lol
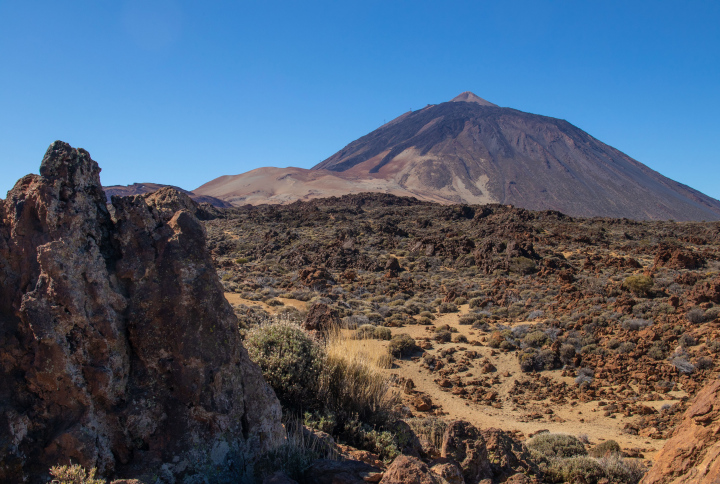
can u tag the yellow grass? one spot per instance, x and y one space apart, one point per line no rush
353 378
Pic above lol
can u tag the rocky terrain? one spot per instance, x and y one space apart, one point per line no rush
469 150
604 329
117 348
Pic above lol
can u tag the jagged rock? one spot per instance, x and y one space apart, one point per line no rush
448 470
409 470
708 291
678 259
117 347
692 454
465 444
486 454
321 317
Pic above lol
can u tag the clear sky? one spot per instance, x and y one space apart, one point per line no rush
180 91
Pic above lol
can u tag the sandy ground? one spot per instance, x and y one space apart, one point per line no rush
578 419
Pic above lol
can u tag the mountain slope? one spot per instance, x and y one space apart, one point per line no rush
143 188
469 150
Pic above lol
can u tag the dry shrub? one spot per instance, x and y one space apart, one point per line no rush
74 474
352 381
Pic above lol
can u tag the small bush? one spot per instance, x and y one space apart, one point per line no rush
460 338
638 284
578 469
683 365
475 302
695 315
447 308
535 339
704 363
626 347
468 319
496 339
459 301
567 354
522 265
687 340
657 351
607 448
402 345
537 313
556 445
290 360
74 474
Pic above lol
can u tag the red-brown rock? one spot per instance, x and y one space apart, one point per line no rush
117 347
321 317
692 454
409 470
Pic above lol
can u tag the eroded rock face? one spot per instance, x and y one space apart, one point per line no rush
117 347
692 454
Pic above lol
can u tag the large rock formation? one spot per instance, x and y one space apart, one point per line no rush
692 454
117 347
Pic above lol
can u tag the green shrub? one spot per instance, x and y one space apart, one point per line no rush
495 339
447 308
535 339
468 319
459 301
475 302
638 284
402 345
522 265
443 336
74 474
291 362
608 447
579 469
556 445
460 338
382 333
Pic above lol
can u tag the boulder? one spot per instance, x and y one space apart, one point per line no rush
692 454
118 349
321 318
486 454
410 470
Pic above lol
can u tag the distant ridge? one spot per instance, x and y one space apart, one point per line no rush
469 150
143 188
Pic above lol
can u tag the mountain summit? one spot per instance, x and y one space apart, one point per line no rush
469 150
469 97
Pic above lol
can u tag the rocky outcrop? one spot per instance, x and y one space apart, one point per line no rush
692 454
410 470
486 454
117 347
321 318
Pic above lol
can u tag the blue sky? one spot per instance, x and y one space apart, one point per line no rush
180 92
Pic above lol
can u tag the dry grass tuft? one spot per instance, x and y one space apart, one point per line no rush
352 381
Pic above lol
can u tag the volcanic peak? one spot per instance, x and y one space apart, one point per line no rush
469 97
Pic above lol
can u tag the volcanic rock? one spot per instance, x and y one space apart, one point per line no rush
409 470
321 317
117 347
692 454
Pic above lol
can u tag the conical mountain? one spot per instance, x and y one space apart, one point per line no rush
470 150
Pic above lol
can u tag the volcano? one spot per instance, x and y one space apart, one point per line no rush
469 150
